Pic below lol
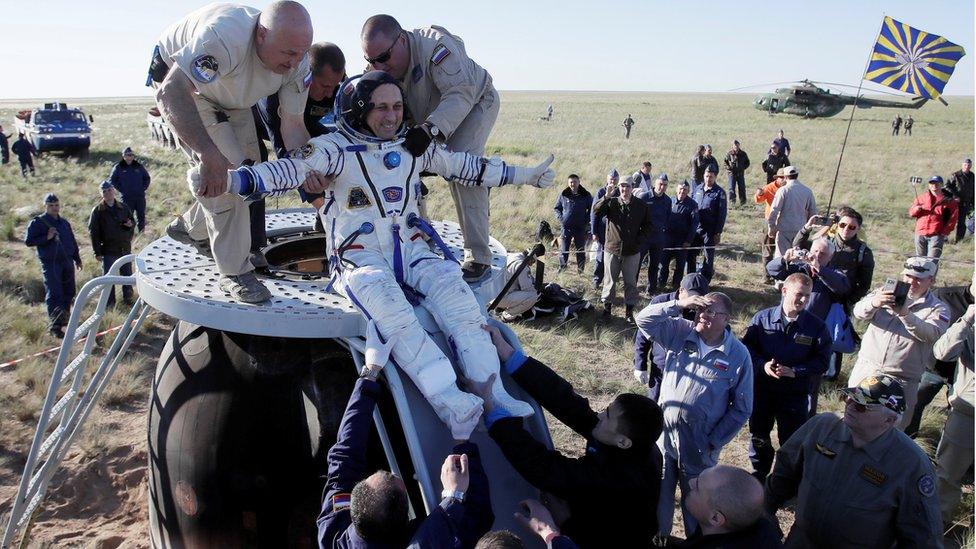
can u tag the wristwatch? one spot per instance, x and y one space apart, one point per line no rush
434 132
453 494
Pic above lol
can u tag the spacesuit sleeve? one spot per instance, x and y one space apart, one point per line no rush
467 169
276 177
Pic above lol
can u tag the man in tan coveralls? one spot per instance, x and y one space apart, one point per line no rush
450 99
858 481
230 56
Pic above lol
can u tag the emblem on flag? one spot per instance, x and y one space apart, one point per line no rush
911 60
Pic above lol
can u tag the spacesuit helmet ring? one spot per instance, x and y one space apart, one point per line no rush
354 102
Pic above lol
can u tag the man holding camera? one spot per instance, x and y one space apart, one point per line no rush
906 321
111 226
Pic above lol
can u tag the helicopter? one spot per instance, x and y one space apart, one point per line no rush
807 99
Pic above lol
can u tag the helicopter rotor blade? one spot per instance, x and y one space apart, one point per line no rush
766 84
863 88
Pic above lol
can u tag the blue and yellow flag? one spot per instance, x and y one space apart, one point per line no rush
912 60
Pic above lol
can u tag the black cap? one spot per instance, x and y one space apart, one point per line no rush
50 198
694 283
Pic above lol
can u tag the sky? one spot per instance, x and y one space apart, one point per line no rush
102 48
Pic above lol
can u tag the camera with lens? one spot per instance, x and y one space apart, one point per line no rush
826 220
803 255
897 288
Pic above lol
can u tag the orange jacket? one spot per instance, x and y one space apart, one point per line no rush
766 195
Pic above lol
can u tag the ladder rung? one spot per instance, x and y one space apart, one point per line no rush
73 365
29 510
50 441
87 324
62 402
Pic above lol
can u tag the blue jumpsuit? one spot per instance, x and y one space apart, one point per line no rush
58 256
132 180
712 210
804 345
573 213
659 208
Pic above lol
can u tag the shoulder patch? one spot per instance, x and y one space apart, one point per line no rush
306 150
340 502
357 199
205 69
440 53
417 73
926 486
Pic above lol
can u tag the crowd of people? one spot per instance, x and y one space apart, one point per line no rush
858 479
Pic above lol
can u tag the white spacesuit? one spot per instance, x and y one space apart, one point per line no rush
383 260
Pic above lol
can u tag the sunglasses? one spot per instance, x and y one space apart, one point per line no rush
916 268
858 407
385 56
850 226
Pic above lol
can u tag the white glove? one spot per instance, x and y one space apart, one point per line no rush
194 180
377 352
641 376
541 176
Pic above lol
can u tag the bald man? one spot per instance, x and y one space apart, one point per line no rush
451 99
727 502
228 57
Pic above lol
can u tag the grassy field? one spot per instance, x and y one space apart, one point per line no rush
586 136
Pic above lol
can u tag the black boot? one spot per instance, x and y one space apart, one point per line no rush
629 314
606 310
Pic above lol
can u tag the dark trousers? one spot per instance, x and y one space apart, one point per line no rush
737 181
598 265
259 235
654 252
964 210
578 238
708 256
59 290
26 163
4 156
138 205
767 251
126 270
680 257
929 387
788 411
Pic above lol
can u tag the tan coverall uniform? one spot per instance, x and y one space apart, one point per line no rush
446 88
215 47
955 453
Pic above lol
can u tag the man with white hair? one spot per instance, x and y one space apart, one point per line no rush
858 481
227 57
793 205
829 285
902 331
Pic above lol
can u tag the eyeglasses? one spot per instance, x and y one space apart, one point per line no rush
858 407
624 186
850 226
385 56
711 313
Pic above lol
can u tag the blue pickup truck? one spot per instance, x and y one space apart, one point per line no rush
55 127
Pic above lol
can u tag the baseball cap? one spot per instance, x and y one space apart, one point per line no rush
50 197
966 161
919 267
878 389
127 150
790 170
712 168
105 185
663 177
936 179
695 284
781 172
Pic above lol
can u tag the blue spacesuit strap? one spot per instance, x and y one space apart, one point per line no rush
432 234
412 295
372 187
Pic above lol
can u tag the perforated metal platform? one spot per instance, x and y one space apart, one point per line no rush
175 279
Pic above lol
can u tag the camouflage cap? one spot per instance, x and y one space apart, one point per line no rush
919 267
879 389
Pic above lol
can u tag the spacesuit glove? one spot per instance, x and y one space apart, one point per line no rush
641 376
416 141
377 352
541 176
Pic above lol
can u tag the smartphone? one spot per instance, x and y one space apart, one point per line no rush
914 180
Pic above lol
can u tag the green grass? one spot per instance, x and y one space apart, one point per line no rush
586 137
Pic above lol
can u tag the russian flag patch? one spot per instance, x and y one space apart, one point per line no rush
721 365
340 501
440 53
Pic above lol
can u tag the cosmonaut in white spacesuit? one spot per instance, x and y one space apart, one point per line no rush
379 243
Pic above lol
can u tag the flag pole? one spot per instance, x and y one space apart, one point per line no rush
850 121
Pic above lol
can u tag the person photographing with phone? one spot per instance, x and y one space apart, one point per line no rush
901 334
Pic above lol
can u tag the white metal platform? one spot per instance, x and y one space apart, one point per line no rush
175 279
